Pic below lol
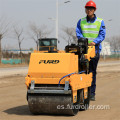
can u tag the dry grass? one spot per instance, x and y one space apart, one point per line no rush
109 59
15 65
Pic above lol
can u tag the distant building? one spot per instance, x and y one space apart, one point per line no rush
106 49
16 51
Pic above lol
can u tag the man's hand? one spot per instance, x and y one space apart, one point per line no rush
91 44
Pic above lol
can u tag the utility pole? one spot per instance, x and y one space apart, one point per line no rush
0 48
57 19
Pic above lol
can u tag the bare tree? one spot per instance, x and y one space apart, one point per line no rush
114 43
4 26
18 33
38 32
70 35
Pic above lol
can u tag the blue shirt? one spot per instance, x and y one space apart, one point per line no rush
97 40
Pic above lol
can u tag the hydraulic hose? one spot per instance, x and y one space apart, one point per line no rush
69 75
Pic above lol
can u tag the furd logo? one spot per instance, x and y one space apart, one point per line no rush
49 61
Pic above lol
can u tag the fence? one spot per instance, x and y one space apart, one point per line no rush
15 58
114 55
12 61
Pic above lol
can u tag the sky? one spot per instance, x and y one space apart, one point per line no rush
23 12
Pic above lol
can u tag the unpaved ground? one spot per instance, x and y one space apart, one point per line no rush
13 104
14 65
5 72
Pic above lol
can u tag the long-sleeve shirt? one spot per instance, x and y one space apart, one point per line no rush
101 35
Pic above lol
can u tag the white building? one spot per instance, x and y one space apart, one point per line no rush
106 49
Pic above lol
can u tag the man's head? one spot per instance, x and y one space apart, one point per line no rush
90 8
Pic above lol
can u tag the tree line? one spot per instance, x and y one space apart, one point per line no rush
36 32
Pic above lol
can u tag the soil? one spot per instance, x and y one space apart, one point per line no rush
13 104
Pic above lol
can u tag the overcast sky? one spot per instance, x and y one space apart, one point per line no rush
23 12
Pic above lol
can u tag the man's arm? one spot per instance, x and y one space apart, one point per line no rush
101 35
78 30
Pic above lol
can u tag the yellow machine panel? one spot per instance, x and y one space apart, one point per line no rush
52 64
91 52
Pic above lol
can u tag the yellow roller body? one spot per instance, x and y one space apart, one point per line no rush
49 68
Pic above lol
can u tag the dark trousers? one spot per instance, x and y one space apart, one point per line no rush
92 68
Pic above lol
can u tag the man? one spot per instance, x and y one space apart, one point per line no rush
93 28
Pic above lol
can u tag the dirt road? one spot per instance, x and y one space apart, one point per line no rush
13 104
10 71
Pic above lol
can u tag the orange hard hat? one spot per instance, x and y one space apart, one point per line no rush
90 4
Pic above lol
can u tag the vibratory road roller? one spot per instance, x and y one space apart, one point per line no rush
58 82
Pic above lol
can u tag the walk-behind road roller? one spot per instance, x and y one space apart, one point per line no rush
58 82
